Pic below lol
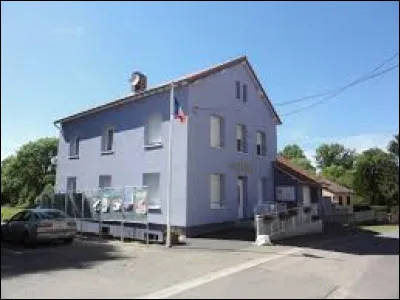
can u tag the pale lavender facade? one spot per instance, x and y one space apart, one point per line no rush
193 159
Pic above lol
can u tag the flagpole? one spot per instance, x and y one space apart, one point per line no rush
169 176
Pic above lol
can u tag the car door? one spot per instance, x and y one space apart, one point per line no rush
15 227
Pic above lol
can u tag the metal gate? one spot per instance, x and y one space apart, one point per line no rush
105 211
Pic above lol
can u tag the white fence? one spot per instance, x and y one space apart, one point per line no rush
280 224
346 215
373 216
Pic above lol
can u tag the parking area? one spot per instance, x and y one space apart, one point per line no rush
111 269
214 265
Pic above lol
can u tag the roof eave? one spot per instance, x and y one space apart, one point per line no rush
178 82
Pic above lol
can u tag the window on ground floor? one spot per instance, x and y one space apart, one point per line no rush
217 185
104 181
152 183
71 185
340 201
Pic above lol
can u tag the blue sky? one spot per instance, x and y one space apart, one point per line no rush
60 58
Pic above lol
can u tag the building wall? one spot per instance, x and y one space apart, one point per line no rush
130 159
283 179
193 158
216 95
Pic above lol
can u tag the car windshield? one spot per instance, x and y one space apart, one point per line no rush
49 215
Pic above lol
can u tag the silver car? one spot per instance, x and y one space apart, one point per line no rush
31 226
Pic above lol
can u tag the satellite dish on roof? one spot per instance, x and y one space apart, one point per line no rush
135 79
138 82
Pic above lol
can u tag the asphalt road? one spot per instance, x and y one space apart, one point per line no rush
362 267
359 265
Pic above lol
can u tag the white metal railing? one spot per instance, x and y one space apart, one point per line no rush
274 221
269 208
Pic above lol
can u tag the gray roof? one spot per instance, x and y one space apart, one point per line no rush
334 187
181 81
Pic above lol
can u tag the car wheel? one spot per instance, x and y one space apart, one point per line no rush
68 240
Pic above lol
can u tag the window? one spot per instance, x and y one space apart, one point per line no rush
217 183
27 216
74 147
241 145
262 190
237 90
348 200
18 216
152 182
52 215
104 181
244 93
107 140
216 132
340 200
71 185
152 132
261 147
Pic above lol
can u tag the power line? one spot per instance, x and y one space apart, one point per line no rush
304 98
333 90
339 91
330 93
355 82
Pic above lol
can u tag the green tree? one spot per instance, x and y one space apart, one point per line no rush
393 146
339 174
296 155
10 183
292 151
24 175
376 177
334 154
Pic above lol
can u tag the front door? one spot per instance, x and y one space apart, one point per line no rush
240 198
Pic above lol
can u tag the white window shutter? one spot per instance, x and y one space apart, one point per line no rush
259 138
153 132
215 189
239 132
152 181
215 131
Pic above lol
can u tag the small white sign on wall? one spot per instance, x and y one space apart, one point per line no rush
285 193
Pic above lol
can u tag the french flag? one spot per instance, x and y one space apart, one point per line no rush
178 111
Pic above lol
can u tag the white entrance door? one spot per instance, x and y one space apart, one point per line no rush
240 188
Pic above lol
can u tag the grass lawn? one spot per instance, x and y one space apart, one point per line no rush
8 211
381 228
